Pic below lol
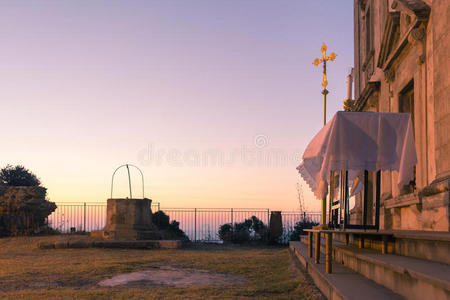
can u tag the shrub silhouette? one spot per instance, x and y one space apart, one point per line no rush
171 229
251 229
18 176
161 220
23 204
299 229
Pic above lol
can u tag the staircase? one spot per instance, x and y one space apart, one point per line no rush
415 267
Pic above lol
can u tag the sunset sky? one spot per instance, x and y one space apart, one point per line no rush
214 100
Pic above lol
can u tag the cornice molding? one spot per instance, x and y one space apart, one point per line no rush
390 28
417 7
387 63
388 54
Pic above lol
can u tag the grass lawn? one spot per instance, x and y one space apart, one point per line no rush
28 272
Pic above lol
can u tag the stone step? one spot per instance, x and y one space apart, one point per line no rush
407 276
410 277
433 246
343 283
130 244
428 245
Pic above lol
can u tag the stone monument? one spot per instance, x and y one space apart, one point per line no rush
129 219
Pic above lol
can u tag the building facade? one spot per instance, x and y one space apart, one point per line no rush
402 64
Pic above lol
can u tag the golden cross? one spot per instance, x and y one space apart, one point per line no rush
324 59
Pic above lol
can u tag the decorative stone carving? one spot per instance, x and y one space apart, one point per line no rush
362 4
417 36
394 4
389 75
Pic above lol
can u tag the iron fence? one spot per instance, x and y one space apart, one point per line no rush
81 217
202 224
291 218
199 224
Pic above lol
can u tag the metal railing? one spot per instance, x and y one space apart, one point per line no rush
199 224
202 224
291 218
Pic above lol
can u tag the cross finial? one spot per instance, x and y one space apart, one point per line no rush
324 59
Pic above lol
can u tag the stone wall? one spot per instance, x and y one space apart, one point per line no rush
411 51
440 18
23 210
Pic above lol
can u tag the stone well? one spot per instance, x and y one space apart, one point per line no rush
129 219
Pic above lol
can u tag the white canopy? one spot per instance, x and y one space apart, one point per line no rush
357 141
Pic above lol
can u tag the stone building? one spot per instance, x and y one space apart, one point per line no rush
402 63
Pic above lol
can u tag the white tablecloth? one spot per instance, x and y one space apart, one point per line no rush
357 141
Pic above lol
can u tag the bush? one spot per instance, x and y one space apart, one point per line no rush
174 227
161 220
226 232
251 229
18 176
299 229
171 230
24 207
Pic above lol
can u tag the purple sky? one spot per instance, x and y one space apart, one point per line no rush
88 85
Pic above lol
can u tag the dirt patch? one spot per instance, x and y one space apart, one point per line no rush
155 276
172 276
15 285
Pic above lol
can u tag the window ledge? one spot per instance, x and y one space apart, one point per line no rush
404 200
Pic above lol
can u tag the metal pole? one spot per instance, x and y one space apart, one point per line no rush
323 220
316 62
366 196
324 200
232 227
377 200
324 107
129 181
195 224
84 217
324 92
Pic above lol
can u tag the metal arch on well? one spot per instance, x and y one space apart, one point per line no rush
129 179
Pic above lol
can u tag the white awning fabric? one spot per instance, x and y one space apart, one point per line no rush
357 141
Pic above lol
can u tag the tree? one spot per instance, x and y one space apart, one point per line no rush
18 176
23 203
